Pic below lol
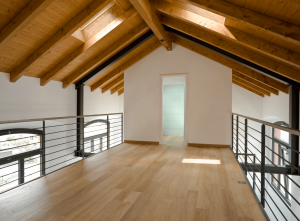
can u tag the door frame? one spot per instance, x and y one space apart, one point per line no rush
160 109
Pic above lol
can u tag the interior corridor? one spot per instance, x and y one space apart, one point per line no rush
140 182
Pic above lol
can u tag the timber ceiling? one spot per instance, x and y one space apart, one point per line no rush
64 40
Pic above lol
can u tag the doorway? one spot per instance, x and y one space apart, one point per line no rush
173 107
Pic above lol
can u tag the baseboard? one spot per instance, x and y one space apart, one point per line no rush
208 145
141 142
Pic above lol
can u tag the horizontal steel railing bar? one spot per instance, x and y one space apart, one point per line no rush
54 118
290 130
282 200
248 154
253 146
275 204
241 122
241 129
270 168
254 138
254 129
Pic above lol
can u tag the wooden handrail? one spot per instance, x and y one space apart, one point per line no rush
290 130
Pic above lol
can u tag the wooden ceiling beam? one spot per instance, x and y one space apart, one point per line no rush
273 26
106 54
84 16
24 18
231 64
247 88
124 66
246 83
255 82
120 92
124 4
233 35
113 83
117 88
148 13
231 46
46 78
267 48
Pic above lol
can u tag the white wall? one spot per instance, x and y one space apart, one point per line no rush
208 96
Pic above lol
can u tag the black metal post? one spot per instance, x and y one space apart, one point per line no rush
44 150
80 122
122 139
108 132
254 174
101 144
246 143
237 136
294 124
21 170
232 129
263 155
92 146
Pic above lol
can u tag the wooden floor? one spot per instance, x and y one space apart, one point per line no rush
139 182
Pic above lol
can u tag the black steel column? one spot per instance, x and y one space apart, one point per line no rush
21 170
294 124
254 161
80 121
246 143
43 158
237 138
263 155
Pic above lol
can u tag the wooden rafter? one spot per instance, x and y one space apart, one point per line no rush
120 92
83 49
258 89
270 49
273 26
148 13
231 64
125 65
27 15
255 82
66 31
117 88
248 88
194 16
124 4
232 46
113 83
106 54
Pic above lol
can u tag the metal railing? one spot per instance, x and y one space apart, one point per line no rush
30 149
270 164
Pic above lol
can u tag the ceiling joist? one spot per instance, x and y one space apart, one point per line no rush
124 4
120 92
148 13
258 89
113 83
272 26
248 88
25 17
117 88
254 82
66 31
